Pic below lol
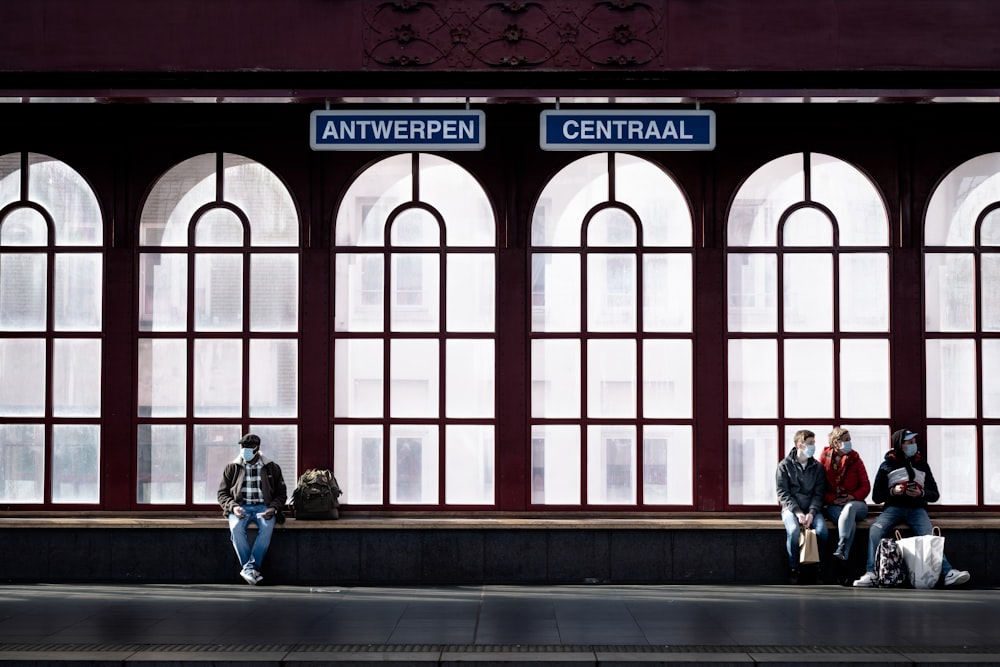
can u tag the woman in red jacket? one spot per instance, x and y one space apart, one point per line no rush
847 486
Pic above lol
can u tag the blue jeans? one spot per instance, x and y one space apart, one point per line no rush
846 517
915 517
792 535
251 559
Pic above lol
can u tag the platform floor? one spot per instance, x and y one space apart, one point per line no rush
44 624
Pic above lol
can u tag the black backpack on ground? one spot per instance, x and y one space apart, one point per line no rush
315 495
890 568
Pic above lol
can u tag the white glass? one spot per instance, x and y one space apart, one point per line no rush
655 196
753 378
611 292
415 227
611 379
752 292
416 293
23 369
160 464
555 465
23 301
23 453
23 226
469 465
667 379
762 199
950 292
612 227
808 292
555 292
566 200
471 292
991 465
162 292
280 443
357 463
864 378
991 378
952 455
852 198
413 378
359 288
162 386
10 178
218 292
864 292
218 377
218 227
76 377
951 378
413 465
214 446
611 465
274 292
373 195
462 201
808 378
667 465
78 291
990 309
358 374
260 194
989 231
752 456
807 227
175 198
469 381
64 193
667 292
555 378
274 378
959 199
76 463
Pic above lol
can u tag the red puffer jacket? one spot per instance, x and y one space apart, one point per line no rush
845 473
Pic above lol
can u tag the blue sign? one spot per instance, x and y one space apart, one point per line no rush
610 130
397 130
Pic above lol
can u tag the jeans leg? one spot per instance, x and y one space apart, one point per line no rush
791 537
835 512
854 511
264 529
920 522
238 531
822 532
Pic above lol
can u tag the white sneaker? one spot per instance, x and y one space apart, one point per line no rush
867 580
956 577
250 576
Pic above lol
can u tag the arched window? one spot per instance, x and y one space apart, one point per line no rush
218 326
962 325
611 337
808 316
51 320
414 414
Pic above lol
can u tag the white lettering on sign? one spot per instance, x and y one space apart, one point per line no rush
622 130
401 129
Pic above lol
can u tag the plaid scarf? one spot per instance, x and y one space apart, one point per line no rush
252 493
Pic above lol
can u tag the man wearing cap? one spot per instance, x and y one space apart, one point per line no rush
905 484
252 489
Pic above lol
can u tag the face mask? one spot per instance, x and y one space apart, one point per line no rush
846 446
810 450
910 449
249 453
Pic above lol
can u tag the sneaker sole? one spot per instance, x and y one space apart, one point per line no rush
959 580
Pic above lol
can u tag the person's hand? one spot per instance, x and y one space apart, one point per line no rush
914 491
239 511
270 512
843 499
898 489
801 518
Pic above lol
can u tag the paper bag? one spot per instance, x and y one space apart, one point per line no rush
808 548
922 555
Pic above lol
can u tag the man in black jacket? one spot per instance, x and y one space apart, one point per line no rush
800 482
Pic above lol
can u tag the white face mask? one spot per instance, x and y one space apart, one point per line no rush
249 453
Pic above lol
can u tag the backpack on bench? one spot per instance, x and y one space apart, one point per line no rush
315 495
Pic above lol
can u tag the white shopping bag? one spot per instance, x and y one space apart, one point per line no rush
922 555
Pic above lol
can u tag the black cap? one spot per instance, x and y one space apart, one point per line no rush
250 440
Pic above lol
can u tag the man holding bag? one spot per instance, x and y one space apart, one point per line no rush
800 482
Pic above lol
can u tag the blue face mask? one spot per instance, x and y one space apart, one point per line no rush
910 449
249 453
846 446
810 450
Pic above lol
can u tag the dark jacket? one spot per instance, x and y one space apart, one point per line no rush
844 474
895 459
800 489
272 485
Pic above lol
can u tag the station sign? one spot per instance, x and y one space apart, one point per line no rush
609 130
381 130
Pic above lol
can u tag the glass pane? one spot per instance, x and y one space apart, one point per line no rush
78 291
752 290
808 378
753 460
870 441
555 465
160 464
611 292
254 189
949 292
23 227
471 289
162 378
853 199
218 227
611 378
991 465
274 292
162 292
413 465
415 227
667 465
612 227
413 378
22 463
753 378
461 200
566 200
807 227
555 292
359 285
76 377
667 292
357 366
470 382
175 198
218 292
376 192
657 199
274 378
808 292
218 378
23 301
989 232
611 465
763 198
952 456
76 463
667 387
10 178
22 367
864 292
416 292
357 463
991 295
214 445
280 443
469 465
951 378
864 378
960 198
60 190
555 378
991 379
